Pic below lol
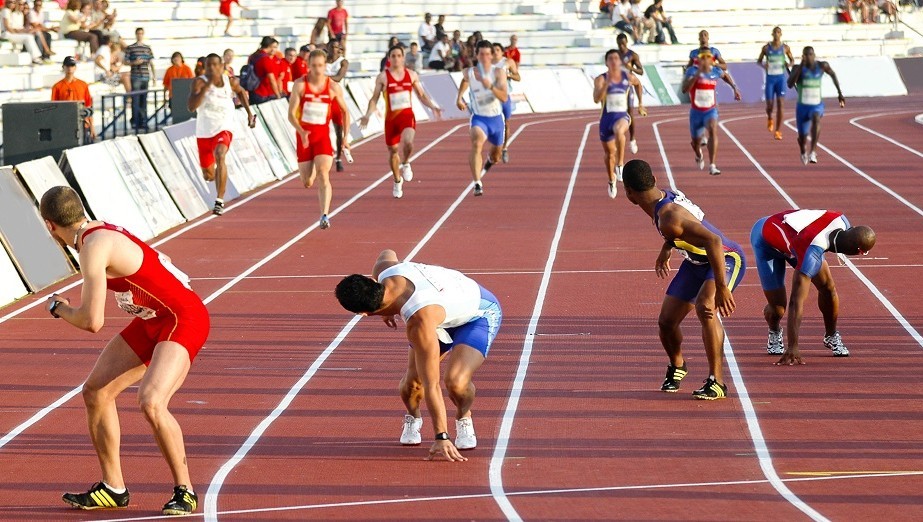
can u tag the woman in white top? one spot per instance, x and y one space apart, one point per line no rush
74 24
12 28
108 65
319 34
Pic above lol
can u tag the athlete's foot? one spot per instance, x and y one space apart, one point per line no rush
478 189
505 155
348 155
218 208
778 135
406 172
770 125
633 146
398 190
700 160
613 190
804 158
324 222
713 170
339 165
813 157
618 173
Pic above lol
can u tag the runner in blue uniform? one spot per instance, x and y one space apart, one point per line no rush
806 77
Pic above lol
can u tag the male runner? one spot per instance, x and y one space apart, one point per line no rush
700 82
778 60
397 82
337 67
632 63
213 97
611 89
501 61
717 59
156 348
806 77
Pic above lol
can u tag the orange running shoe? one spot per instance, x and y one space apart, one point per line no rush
770 125
778 135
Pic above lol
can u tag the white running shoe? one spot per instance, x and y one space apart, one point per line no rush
411 434
324 222
478 189
398 190
505 156
713 170
700 161
618 173
835 343
633 145
813 157
774 344
406 172
613 190
464 434
348 155
804 159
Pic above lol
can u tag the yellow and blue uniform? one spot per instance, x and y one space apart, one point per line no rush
810 101
614 106
775 72
696 269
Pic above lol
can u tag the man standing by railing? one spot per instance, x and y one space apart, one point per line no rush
140 57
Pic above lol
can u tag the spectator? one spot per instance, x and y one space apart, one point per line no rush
283 72
384 61
641 24
265 69
414 59
179 69
71 88
439 56
338 24
224 9
199 67
456 43
228 58
13 28
621 11
102 21
290 54
37 20
427 34
319 34
300 63
108 65
662 21
110 21
440 27
141 59
887 7
606 6
512 52
72 26
92 24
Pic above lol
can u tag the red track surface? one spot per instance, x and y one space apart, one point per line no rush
589 415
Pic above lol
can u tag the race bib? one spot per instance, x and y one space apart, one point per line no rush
684 202
617 102
485 99
705 98
314 113
399 100
177 273
776 68
126 302
810 95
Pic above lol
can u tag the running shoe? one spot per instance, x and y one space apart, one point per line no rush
324 222
778 135
478 189
98 497
804 159
348 155
340 165
613 190
835 343
770 125
713 170
774 344
184 502
633 146
674 376
505 155
618 173
406 172
411 434
813 157
398 190
464 434
700 160
711 390
219 207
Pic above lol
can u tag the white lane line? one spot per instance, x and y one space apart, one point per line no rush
184 228
855 270
855 169
214 487
48 409
531 492
509 414
882 136
753 426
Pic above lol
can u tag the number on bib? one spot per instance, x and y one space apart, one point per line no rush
314 113
399 100
705 98
687 204
810 95
126 302
617 102
775 68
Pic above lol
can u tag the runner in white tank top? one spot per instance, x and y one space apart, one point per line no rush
447 315
512 73
337 67
213 98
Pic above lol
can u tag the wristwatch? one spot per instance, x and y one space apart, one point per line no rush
52 307
442 436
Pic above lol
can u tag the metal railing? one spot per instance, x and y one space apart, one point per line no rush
118 116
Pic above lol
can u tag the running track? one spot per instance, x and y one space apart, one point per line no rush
291 411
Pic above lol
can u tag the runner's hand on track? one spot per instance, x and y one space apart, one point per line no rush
790 358
447 449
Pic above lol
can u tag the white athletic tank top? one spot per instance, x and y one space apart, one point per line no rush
333 68
458 294
216 113
483 102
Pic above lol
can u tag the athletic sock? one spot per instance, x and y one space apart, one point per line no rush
219 200
487 166
115 490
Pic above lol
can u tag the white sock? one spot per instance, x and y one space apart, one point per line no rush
219 200
115 490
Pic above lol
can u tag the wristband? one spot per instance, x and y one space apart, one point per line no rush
442 436
52 307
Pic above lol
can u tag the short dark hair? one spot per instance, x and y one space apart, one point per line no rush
290 49
62 206
609 53
139 29
267 41
482 44
215 56
360 294
621 37
399 47
495 45
175 54
637 175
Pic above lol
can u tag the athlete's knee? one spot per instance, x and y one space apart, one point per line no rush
456 385
705 309
94 393
410 386
220 153
773 312
153 406
668 323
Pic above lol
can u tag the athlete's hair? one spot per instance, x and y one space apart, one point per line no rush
621 38
317 53
484 44
360 294
215 56
62 206
496 45
807 48
637 175
399 47
609 53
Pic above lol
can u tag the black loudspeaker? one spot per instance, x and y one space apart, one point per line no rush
36 130
182 88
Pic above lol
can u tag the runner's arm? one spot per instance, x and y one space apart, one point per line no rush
730 81
762 55
244 101
423 95
514 70
794 76
344 68
688 80
462 87
635 65
294 107
197 95
91 314
373 101
801 285
599 88
638 92
386 259
500 85
836 83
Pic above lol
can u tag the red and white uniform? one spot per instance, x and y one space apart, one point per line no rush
794 232
398 107
159 297
214 120
315 118
333 68
702 92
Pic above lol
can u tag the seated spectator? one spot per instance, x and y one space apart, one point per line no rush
319 34
265 67
662 21
641 24
440 27
414 59
512 52
605 7
439 56
13 28
888 8
102 67
71 88
228 57
300 64
103 21
37 20
178 69
199 69
427 34
620 12
73 25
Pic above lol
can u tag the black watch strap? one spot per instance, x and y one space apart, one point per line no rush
442 436
52 308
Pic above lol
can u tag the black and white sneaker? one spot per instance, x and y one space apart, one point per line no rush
98 497
219 207
478 189
774 345
711 390
184 502
835 344
674 376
